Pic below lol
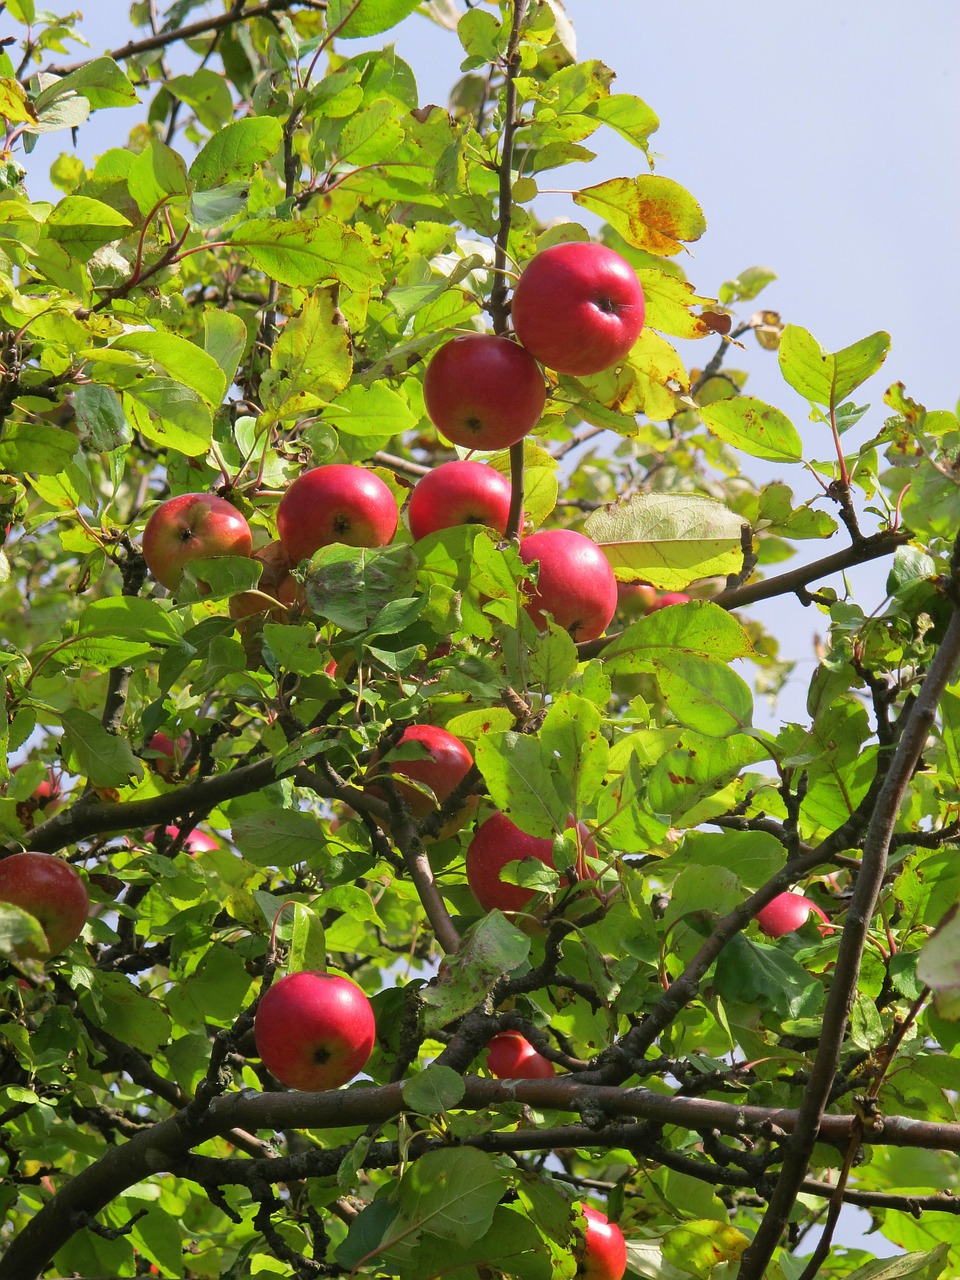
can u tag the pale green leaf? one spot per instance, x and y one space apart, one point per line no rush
309 252
754 427
825 378
235 151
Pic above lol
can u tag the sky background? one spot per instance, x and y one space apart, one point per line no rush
820 140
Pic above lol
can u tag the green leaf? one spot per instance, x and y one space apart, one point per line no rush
519 777
699 768
170 414
309 252
215 990
909 1266
451 1194
746 285
311 361
180 359
698 627
214 208
101 81
704 694
235 152
308 949
939 965
36 447
207 94
754 427
118 1006
156 175
668 539
103 758
68 112
157 1235
512 1246
668 302
434 1090
353 585
629 115
491 948
224 340
572 734
376 412
20 932
651 213
278 837
827 379
699 1246
100 417
753 973
368 19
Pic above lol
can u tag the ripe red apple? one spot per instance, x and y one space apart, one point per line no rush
459 493
603 1254
196 842
576 583
578 307
499 841
483 392
787 911
314 1030
511 1056
335 503
50 890
192 526
443 768
171 755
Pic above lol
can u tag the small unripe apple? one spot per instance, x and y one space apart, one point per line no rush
786 912
634 599
192 526
337 502
511 1056
314 1030
52 891
459 493
603 1254
483 391
576 584
498 841
578 307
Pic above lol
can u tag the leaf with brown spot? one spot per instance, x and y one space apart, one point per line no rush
650 212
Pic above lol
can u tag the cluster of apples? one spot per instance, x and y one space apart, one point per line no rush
577 309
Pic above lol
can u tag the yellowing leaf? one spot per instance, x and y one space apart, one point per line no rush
669 300
650 212
309 252
668 539
15 106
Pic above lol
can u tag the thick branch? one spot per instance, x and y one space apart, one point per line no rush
162 1147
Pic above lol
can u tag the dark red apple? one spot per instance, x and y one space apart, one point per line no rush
192 526
498 841
578 307
314 1030
338 502
511 1056
576 584
787 911
52 891
603 1254
459 493
483 392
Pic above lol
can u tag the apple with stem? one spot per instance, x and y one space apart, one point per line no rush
578 307
603 1254
497 842
442 767
511 1056
459 493
576 584
53 892
338 502
786 912
192 526
314 1030
483 391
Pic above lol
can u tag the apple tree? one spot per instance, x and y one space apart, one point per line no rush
484 758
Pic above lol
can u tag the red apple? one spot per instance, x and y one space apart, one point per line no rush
170 755
52 891
668 598
576 583
483 392
46 794
314 1030
444 766
335 503
192 526
578 307
499 841
511 1056
459 493
196 842
603 1254
787 911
